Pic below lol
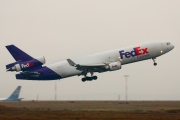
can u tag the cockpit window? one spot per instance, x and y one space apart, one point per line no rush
168 43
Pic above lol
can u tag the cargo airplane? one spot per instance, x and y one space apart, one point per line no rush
14 96
30 68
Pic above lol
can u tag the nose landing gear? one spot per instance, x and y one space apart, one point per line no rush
154 60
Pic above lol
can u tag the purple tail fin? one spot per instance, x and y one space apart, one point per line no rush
18 54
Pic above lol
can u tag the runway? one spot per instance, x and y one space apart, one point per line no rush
90 110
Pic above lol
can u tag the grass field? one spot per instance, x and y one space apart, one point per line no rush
90 110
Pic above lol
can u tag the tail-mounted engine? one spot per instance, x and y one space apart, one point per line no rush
24 65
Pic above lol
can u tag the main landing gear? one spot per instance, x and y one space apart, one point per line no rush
89 78
154 60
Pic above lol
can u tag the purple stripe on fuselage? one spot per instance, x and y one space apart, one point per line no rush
45 74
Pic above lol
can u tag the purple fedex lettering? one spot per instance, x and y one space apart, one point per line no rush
121 53
137 51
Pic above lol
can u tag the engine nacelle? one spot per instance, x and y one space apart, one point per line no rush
24 65
113 66
16 67
41 59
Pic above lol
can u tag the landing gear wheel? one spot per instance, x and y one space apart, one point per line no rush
89 78
154 61
155 64
83 79
95 77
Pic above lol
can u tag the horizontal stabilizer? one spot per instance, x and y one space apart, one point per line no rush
30 73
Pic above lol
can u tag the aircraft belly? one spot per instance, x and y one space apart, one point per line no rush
64 70
68 71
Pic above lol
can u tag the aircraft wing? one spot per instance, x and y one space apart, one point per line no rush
87 68
92 65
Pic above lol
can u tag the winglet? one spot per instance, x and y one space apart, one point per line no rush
71 62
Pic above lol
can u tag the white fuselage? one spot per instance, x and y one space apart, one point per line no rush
125 55
2 99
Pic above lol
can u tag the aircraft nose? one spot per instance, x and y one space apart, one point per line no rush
171 47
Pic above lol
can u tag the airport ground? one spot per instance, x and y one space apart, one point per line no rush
90 110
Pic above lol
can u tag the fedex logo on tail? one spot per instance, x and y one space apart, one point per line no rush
137 51
29 64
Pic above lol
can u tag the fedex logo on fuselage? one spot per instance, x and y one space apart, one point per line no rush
137 51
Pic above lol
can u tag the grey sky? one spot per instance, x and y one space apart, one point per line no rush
62 29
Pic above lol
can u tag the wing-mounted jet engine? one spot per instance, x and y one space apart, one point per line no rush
113 66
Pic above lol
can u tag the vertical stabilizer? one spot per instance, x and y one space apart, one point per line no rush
15 94
18 54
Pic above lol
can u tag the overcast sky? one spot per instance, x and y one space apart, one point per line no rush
61 29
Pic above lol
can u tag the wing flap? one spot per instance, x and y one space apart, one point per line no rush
88 65
87 68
